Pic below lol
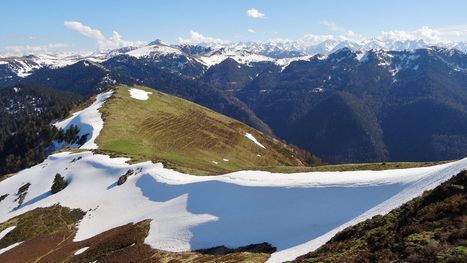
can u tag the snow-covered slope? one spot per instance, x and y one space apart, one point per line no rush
294 212
154 50
281 52
88 121
239 54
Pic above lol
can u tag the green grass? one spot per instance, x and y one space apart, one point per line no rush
185 136
350 167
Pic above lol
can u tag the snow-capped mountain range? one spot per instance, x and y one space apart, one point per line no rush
279 52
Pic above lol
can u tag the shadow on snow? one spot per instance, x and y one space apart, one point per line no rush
284 217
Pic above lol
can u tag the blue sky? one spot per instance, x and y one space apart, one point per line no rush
46 24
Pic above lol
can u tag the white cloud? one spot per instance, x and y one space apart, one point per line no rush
22 50
112 42
430 35
255 13
198 38
251 30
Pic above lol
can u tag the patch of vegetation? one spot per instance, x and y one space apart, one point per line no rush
21 194
186 136
122 179
38 222
59 184
3 197
430 228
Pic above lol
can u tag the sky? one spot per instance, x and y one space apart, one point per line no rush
28 26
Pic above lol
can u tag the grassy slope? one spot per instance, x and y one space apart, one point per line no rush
186 136
430 228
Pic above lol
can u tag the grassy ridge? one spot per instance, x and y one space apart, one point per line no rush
350 167
186 136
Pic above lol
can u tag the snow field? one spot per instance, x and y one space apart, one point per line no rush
191 212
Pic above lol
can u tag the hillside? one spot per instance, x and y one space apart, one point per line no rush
176 215
393 105
47 234
25 116
186 136
430 228
175 212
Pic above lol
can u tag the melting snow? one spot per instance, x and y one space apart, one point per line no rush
225 160
184 216
6 231
139 94
252 138
5 249
89 121
285 62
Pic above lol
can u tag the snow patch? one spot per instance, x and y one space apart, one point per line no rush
252 138
81 250
139 94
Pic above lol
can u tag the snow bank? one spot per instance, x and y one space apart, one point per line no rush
139 94
6 231
89 121
191 212
252 138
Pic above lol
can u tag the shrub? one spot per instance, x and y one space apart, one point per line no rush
122 179
59 184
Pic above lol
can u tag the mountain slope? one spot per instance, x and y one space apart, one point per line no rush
398 106
187 136
84 78
430 228
160 75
